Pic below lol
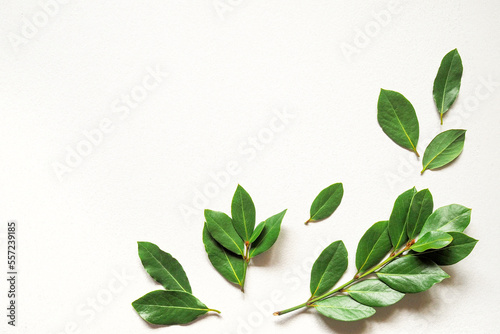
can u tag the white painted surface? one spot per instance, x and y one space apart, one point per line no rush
228 74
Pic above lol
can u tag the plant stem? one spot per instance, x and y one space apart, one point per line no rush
336 290
247 260
216 311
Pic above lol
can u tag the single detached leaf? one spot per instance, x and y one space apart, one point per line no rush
256 233
447 82
372 292
373 246
164 268
243 213
326 202
228 264
443 149
398 119
432 240
449 218
221 229
411 274
169 307
420 209
328 268
399 215
461 246
343 308
269 234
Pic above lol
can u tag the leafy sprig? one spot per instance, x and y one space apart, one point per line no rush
418 241
231 242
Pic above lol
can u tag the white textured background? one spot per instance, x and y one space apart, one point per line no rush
230 70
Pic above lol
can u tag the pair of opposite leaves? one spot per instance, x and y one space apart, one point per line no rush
398 119
430 238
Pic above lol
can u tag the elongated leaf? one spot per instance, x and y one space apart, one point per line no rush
169 307
326 202
373 246
373 292
269 234
398 119
449 218
461 246
343 308
221 229
228 264
447 82
432 240
421 208
164 268
256 233
411 274
443 149
243 213
328 268
399 215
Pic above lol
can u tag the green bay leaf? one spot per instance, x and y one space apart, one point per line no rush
221 229
399 216
372 292
328 268
243 213
256 233
228 264
447 82
163 267
411 274
461 246
449 218
343 308
432 240
169 307
420 209
443 149
325 204
373 246
398 119
269 234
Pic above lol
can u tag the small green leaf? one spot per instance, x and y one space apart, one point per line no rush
169 307
164 268
269 234
243 213
399 215
328 268
450 218
373 246
443 149
447 82
398 119
411 274
343 308
326 202
228 264
256 233
221 229
372 292
461 246
421 208
432 240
